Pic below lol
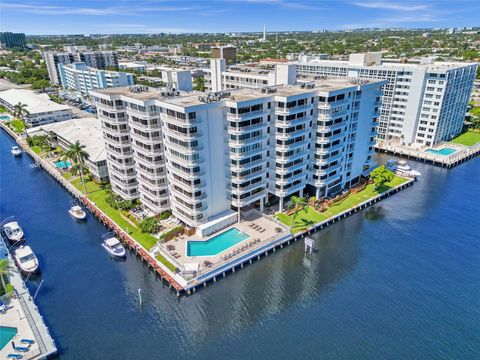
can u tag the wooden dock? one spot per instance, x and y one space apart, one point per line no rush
450 161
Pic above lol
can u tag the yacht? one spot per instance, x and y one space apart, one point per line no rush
114 247
13 231
401 167
77 212
26 259
16 151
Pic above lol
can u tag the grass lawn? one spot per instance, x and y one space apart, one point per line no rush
16 125
469 138
165 262
97 195
67 175
309 216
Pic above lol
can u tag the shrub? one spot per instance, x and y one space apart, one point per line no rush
165 215
149 225
172 233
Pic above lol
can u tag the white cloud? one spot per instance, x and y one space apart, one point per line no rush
406 6
106 11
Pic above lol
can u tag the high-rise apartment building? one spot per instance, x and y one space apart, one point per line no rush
82 79
95 59
9 40
229 53
422 103
207 156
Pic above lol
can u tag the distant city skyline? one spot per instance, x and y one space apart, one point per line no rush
191 16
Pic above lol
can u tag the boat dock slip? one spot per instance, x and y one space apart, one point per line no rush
24 315
449 155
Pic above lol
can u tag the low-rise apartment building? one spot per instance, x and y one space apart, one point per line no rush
207 156
219 77
422 103
41 109
81 79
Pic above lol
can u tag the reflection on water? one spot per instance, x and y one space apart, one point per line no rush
379 283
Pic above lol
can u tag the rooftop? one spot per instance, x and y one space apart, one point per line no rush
36 103
86 130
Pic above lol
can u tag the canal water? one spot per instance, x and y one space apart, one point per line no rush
400 280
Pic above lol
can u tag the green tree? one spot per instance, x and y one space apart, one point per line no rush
199 84
6 270
77 154
296 203
20 111
149 225
381 176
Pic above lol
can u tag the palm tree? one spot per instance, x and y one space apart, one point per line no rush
5 270
297 203
78 155
20 111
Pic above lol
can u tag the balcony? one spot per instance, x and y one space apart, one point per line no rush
292 110
243 155
248 115
183 149
290 123
187 187
242 130
287 136
248 165
177 121
181 135
286 170
243 142
142 114
185 197
115 131
117 142
184 174
249 199
290 146
144 127
188 210
285 159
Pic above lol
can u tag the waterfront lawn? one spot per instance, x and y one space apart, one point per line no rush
16 125
165 262
98 195
469 138
308 216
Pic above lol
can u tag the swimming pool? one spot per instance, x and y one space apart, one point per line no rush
6 334
63 164
4 117
216 244
443 151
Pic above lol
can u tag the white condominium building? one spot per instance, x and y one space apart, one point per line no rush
207 156
82 79
94 59
41 109
219 78
422 103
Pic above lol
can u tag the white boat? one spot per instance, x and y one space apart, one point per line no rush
113 247
401 168
13 231
26 259
77 212
16 151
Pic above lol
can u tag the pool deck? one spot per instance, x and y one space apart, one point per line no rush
462 153
24 315
272 230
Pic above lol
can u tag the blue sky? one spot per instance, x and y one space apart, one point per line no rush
153 16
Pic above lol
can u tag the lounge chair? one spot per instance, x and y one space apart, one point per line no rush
27 341
21 348
263 230
14 356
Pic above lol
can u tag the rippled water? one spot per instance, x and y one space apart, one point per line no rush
400 280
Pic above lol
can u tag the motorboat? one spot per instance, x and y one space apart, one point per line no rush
114 247
13 231
401 167
26 259
77 212
16 151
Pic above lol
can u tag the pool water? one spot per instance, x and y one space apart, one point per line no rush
4 118
443 151
6 334
63 164
217 244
